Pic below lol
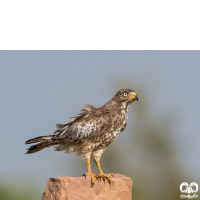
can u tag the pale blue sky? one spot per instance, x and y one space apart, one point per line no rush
42 88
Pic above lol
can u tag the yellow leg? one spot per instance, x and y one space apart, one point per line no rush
88 165
89 173
102 175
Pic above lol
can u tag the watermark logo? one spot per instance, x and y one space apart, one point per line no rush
189 189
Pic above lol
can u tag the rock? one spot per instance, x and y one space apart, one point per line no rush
69 188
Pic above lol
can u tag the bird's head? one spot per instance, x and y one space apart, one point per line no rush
126 96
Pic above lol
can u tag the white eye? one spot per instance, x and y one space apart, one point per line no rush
125 94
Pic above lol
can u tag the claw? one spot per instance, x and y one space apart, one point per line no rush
99 179
112 183
107 177
93 176
84 175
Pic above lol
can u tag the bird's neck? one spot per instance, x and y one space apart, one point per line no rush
125 106
122 106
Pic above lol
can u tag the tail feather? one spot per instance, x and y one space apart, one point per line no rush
38 147
39 139
44 141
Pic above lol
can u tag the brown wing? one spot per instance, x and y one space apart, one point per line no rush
89 124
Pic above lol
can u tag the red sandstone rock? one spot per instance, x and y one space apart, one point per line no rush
68 188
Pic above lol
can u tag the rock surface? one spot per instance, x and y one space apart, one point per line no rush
69 188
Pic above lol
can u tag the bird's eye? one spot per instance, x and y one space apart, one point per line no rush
125 94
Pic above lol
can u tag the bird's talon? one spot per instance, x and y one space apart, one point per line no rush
84 175
93 176
107 177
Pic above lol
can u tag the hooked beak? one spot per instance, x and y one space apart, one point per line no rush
134 96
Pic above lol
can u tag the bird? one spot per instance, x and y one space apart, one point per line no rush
90 132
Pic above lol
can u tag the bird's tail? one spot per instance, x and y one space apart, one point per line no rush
44 141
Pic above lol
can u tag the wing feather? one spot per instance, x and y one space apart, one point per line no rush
91 122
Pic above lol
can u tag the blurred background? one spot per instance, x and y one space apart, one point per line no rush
160 147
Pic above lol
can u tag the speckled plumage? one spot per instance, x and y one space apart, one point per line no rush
92 130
